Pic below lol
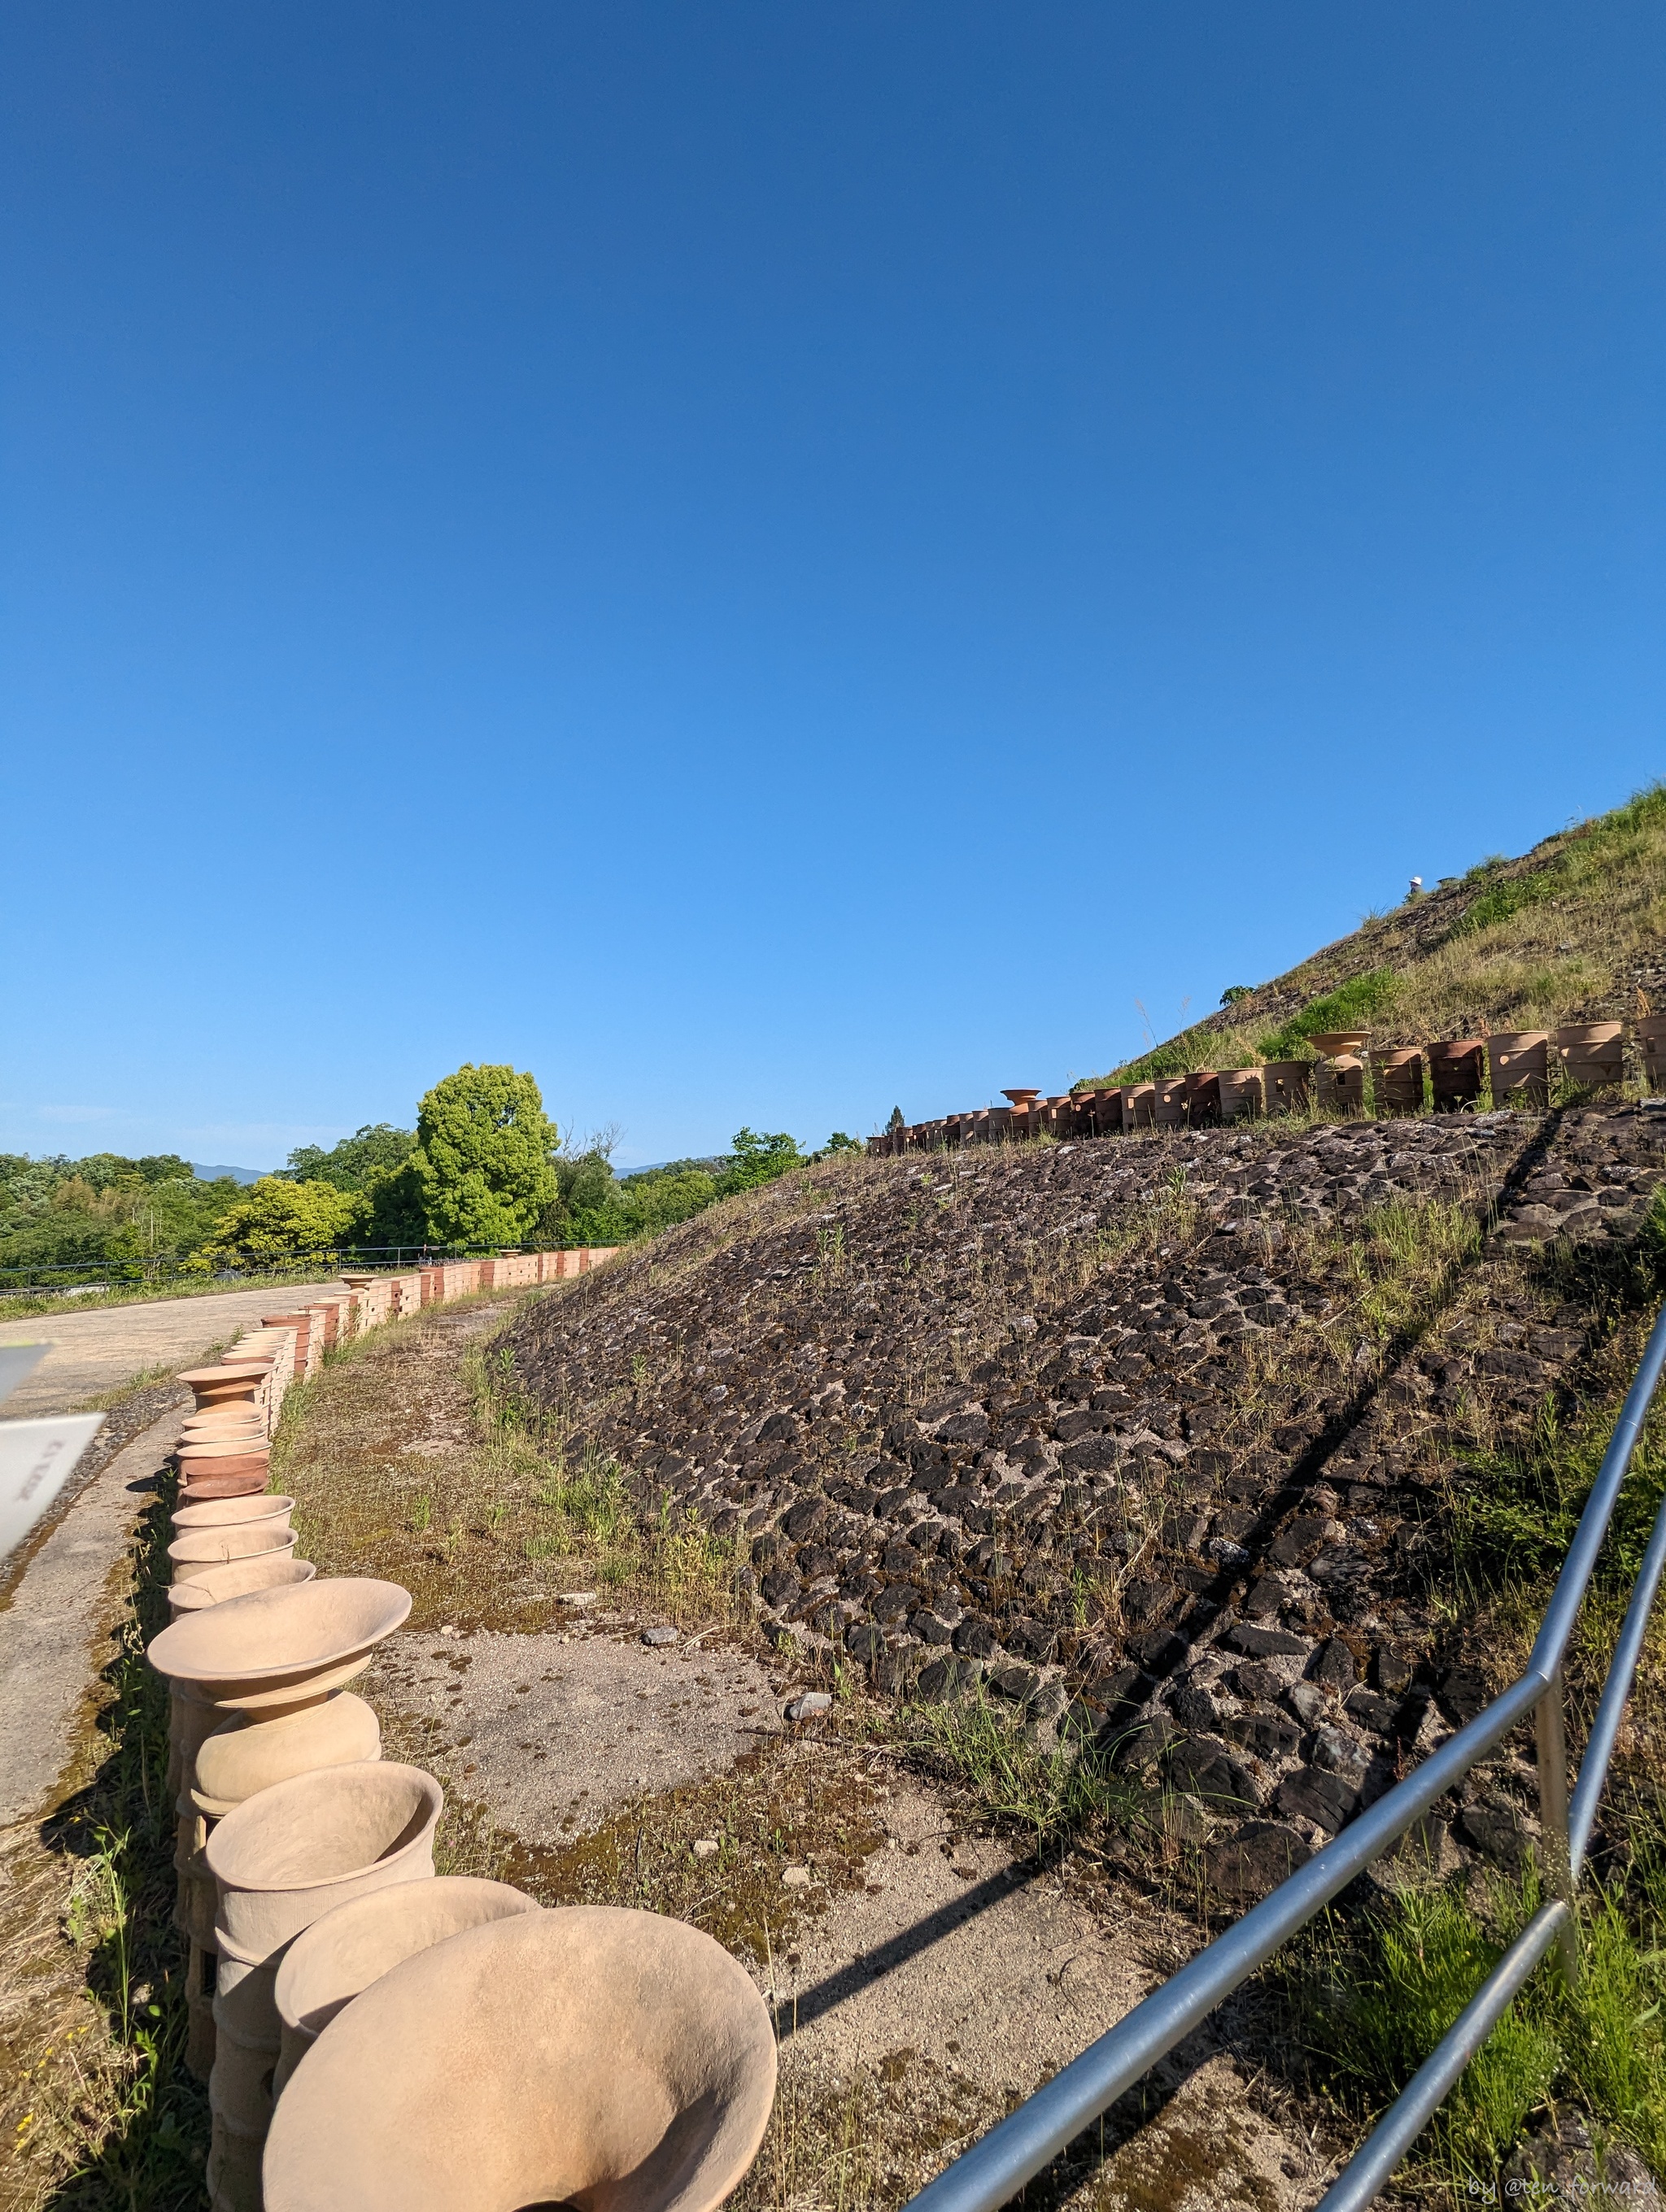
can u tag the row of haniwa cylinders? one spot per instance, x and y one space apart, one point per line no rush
376 2038
225 1449
1525 1065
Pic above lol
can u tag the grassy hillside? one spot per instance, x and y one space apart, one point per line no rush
1571 931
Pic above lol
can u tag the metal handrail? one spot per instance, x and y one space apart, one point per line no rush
997 2166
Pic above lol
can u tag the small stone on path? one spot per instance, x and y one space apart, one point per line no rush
796 1877
706 1848
659 1635
812 1701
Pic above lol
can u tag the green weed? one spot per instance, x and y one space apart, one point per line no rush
1355 1005
137 2135
1513 1513
1054 1793
1373 2000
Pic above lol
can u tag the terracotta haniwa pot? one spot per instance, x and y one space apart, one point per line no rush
274 1647
1592 1054
214 1462
281 1859
1139 1105
1203 1098
1455 1073
242 1757
1650 1030
217 1547
1020 1097
192 1720
1169 1104
202 1487
1241 1093
213 1585
294 1852
225 1512
249 1433
1341 1044
1520 1064
1398 1077
328 1966
253 1438
231 1382
269 1653
207 1448
1284 1085
1105 1112
1339 1085
587 2056
192 1717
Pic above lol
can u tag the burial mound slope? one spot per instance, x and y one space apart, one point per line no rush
1183 1443
1574 931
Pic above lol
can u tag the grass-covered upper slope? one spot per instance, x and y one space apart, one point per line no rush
1568 933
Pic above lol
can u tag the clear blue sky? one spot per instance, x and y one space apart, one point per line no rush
770 561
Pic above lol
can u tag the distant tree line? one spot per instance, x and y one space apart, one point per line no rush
485 1166
105 1210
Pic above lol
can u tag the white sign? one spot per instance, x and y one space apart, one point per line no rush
36 1460
17 1360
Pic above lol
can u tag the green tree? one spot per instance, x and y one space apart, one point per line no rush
105 1210
758 1160
483 1171
352 1165
277 1219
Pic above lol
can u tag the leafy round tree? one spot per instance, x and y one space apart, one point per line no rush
281 1220
484 1163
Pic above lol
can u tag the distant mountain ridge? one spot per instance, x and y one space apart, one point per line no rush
237 1175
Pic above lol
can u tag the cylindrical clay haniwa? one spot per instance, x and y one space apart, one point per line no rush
586 2056
208 1585
1520 1064
259 1676
238 1540
281 1860
327 1966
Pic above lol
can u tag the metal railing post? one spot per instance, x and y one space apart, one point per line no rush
1552 1732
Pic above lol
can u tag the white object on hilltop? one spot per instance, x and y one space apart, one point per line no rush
1417 886
36 1460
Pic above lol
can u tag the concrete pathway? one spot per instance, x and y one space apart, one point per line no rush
95 1352
54 1634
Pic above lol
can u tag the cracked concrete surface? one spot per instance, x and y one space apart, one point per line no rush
552 1730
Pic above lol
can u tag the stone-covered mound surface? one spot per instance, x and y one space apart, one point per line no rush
1160 1435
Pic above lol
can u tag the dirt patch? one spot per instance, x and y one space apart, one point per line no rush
958 1950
